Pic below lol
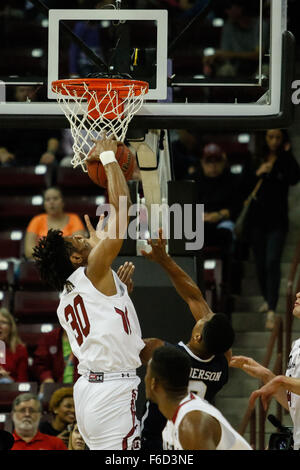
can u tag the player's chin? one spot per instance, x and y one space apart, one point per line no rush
296 311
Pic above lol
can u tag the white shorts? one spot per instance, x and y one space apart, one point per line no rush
106 413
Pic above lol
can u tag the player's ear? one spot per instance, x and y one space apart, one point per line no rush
76 259
197 337
153 384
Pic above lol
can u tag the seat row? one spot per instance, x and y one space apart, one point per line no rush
31 306
17 211
31 300
23 180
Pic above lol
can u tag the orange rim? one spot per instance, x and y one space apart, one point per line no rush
98 85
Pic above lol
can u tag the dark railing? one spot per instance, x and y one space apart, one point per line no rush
250 417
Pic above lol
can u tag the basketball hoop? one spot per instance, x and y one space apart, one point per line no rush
98 106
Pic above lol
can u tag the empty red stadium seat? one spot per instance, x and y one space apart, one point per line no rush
10 243
31 333
35 306
6 273
84 205
29 277
6 299
76 181
25 180
21 206
17 211
8 392
6 423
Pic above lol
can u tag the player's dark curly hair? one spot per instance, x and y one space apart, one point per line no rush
52 257
172 368
218 334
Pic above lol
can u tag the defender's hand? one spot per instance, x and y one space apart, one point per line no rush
125 273
158 252
249 365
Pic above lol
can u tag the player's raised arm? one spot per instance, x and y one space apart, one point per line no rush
252 368
104 252
183 283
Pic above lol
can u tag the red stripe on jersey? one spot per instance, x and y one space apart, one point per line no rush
134 426
125 319
192 397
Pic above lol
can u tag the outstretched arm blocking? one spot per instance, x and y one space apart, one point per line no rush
183 283
252 368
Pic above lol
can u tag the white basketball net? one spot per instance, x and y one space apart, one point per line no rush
85 130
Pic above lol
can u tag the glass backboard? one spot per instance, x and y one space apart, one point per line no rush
200 67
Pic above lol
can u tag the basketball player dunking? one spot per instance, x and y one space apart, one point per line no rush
100 320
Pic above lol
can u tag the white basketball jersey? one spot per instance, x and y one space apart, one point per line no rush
230 439
104 332
293 370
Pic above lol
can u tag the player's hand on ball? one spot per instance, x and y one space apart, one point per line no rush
102 146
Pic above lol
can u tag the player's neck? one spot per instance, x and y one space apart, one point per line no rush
168 406
198 350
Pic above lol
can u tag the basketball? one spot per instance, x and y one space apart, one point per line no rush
125 159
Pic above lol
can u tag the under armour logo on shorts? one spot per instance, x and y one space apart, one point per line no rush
96 377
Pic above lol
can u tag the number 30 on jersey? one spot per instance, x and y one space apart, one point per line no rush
80 322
